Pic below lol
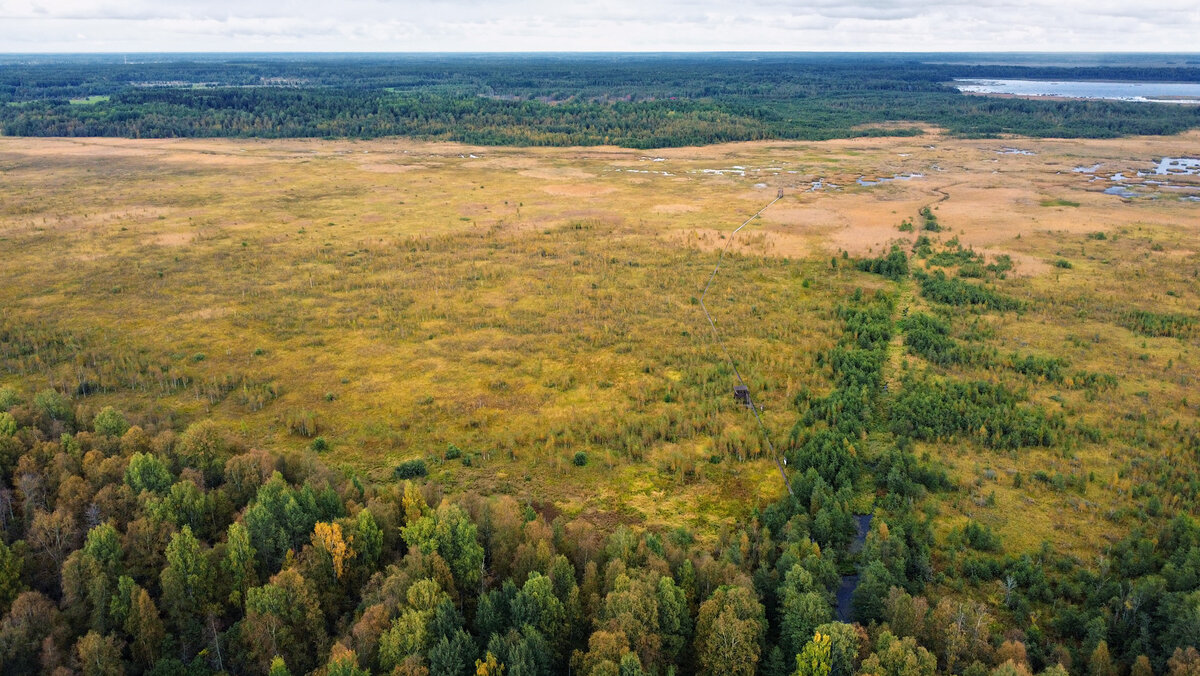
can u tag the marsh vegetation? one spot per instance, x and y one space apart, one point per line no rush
396 407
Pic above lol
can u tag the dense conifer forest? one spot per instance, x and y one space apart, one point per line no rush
631 100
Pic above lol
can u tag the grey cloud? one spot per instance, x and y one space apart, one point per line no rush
617 25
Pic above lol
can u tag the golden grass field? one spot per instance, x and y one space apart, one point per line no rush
523 304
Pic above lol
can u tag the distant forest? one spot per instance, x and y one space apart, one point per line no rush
638 101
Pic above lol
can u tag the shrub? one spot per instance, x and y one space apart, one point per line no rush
894 265
937 287
1063 263
981 537
411 469
930 221
1050 368
954 254
929 337
1002 264
580 459
319 445
453 452
1160 325
930 410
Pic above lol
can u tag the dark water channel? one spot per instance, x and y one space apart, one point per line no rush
850 582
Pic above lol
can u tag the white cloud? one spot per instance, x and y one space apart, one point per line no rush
617 25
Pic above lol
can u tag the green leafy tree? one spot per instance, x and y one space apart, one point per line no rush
132 609
147 473
187 585
843 647
343 662
11 584
537 606
280 519
1100 663
803 612
145 629
279 667
110 422
631 665
103 544
8 424
729 632
284 619
239 563
99 655
450 533
86 590
8 398
52 405
413 632
899 657
871 593
368 540
408 636
815 658
205 446
674 618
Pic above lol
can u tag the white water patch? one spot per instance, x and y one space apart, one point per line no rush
1178 166
888 179
645 171
736 171
1120 191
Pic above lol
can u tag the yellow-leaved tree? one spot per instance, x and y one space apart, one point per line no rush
328 538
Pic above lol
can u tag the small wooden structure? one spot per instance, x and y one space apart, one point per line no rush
742 394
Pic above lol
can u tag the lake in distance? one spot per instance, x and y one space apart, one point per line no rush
1146 92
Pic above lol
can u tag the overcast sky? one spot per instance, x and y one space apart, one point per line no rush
612 25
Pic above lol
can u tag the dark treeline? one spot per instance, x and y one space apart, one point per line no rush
632 100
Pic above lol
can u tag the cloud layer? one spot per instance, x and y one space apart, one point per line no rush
616 25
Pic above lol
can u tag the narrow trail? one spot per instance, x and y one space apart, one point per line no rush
728 357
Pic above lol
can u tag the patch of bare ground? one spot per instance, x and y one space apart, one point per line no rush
173 238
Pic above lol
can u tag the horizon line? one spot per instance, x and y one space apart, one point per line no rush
601 52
